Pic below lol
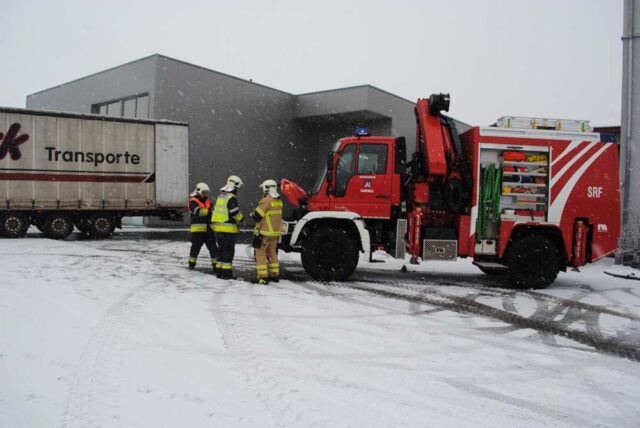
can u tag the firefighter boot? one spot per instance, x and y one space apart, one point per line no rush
192 263
226 274
274 278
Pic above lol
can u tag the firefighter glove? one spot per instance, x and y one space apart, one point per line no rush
204 212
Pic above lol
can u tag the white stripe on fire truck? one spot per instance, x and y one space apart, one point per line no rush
572 145
557 207
556 177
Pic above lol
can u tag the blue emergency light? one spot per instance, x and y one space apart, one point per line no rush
361 132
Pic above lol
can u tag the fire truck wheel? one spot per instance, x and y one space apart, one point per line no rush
101 225
533 262
330 254
13 225
57 226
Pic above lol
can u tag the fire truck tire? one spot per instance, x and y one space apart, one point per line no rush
57 226
13 225
102 225
533 262
330 254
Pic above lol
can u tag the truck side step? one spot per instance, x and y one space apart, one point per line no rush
491 265
401 243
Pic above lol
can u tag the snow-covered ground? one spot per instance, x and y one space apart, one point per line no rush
118 333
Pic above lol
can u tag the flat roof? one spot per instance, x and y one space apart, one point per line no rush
157 55
35 112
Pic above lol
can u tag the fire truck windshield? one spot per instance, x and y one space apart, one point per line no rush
318 184
323 173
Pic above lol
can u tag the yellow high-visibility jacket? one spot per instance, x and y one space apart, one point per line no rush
268 216
226 214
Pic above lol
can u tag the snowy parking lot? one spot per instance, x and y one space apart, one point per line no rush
119 333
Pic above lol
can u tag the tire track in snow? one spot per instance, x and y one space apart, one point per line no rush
465 305
87 389
537 409
241 340
542 300
320 372
96 376
595 388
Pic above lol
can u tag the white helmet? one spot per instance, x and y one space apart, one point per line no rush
269 186
233 183
202 187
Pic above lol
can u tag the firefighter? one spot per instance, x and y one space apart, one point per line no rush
201 234
225 219
268 218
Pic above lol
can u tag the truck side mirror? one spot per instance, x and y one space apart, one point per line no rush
330 188
330 156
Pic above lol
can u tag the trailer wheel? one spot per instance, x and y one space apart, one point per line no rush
13 225
57 226
533 262
330 254
102 225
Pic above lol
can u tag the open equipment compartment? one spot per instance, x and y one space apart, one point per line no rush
522 195
525 184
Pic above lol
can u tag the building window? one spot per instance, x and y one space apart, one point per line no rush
142 106
133 106
114 109
129 108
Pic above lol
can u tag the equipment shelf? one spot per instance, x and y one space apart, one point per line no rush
525 174
514 163
521 195
517 205
507 184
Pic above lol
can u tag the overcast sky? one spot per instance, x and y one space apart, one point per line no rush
552 58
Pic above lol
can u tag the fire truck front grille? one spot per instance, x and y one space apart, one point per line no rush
439 249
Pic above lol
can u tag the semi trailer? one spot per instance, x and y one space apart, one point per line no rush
525 198
63 170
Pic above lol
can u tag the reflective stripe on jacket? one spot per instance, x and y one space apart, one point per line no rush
268 216
199 220
226 214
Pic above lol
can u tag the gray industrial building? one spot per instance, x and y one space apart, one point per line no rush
235 126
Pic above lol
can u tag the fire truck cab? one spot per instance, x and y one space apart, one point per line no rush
525 198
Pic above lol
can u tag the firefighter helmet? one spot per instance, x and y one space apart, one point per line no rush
234 182
202 187
269 186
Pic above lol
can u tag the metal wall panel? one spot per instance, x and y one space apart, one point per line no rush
172 160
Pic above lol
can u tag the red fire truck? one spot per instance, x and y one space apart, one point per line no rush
526 198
